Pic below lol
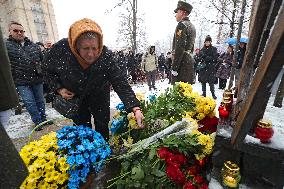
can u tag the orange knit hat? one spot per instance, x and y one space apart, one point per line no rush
79 27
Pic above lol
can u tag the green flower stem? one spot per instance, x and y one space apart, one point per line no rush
116 178
153 165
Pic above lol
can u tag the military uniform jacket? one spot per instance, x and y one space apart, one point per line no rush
183 45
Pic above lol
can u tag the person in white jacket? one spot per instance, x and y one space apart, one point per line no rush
149 66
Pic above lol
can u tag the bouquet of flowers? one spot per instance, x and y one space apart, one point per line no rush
176 103
175 158
64 159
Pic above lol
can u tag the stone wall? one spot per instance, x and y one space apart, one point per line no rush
37 17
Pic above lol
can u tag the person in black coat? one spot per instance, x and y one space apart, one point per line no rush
82 60
225 61
122 62
161 64
8 94
209 57
25 58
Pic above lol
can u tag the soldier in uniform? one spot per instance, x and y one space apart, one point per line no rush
183 45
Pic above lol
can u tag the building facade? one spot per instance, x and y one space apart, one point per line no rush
36 16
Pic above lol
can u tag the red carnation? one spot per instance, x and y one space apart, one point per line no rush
203 186
175 175
209 124
189 185
164 152
201 162
176 159
198 179
192 170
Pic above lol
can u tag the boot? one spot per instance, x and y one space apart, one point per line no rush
212 89
18 109
213 95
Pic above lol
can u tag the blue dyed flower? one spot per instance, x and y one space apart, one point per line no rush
120 106
84 148
117 124
152 97
71 160
81 148
80 159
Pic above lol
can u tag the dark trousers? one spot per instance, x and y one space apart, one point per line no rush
151 78
212 89
32 96
222 83
100 111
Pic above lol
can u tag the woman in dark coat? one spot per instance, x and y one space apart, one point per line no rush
72 63
225 61
208 56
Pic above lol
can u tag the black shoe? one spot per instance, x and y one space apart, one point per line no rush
204 94
215 97
18 110
40 126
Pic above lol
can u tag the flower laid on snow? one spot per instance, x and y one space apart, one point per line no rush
65 158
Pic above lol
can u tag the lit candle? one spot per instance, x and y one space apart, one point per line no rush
230 181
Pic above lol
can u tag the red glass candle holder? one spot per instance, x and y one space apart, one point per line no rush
264 131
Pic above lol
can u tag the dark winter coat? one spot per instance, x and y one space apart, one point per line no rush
62 70
209 56
122 63
8 94
197 60
183 44
161 63
168 64
24 60
224 65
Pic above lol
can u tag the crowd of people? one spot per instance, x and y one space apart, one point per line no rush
81 71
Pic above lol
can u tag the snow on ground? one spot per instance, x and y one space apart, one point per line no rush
21 125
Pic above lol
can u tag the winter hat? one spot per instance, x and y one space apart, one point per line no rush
183 6
208 38
79 27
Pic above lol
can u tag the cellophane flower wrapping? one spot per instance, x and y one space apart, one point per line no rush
65 158
178 136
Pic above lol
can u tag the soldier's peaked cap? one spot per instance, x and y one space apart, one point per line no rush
183 6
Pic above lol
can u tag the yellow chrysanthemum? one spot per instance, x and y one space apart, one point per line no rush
116 115
189 114
62 178
200 116
115 140
127 143
48 176
133 124
204 139
199 108
194 96
140 96
185 87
